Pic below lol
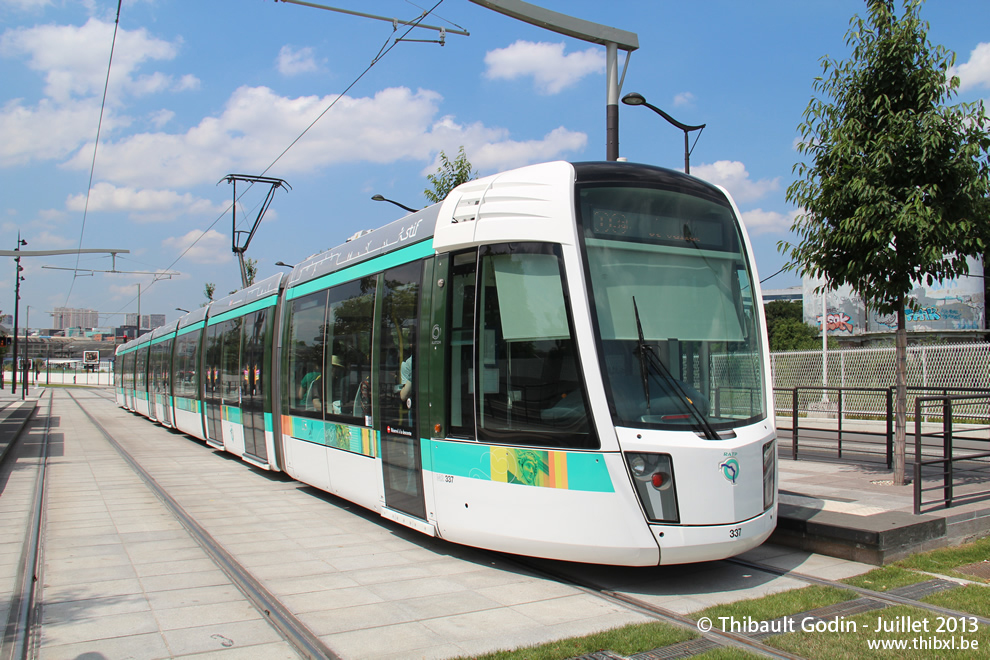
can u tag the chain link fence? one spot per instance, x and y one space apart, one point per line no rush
952 368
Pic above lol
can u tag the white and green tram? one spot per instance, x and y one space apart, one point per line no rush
566 360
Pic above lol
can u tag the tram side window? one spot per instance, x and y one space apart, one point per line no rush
141 370
350 322
307 338
397 389
528 380
185 365
214 346
230 369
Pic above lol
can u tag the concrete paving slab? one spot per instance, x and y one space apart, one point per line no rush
214 638
149 646
370 588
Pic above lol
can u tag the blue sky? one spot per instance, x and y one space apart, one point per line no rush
202 89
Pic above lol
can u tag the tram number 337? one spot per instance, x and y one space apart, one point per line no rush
735 533
445 478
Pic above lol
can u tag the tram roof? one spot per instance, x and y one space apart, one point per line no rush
363 246
258 291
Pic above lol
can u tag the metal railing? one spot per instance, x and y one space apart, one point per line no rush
841 423
962 472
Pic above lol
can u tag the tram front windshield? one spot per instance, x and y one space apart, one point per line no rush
675 314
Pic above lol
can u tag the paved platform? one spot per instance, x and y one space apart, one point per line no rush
123 579
854 511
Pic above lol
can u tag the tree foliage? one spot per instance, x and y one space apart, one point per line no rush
449 175
786 328
897 188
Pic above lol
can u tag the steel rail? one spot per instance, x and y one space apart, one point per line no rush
291 628
715 635
17 634
887 598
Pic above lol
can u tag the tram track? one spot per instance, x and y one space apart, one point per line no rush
17 633
715 635
273 610
304 642
883 597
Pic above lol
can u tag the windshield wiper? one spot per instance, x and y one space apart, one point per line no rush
647 358
641 350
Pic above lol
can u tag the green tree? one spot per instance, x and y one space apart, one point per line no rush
208 290
449 175
251 266
897 188
786 328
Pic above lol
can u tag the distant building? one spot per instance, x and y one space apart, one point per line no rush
790 294
67 317
148 321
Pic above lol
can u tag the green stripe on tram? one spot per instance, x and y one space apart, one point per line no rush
419 250
191 328
264 303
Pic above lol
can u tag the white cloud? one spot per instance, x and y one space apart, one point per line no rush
161 117
733 176
975 72
52 241
491 150
682 99
759 221
143 205
256 125
293 62
27 5
74 59
204 247
552 71
49 131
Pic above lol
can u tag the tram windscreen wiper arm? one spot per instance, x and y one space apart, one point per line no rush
641 350
648 358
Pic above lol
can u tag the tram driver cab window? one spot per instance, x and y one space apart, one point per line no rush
528 383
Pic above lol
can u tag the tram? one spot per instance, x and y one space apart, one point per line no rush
565 360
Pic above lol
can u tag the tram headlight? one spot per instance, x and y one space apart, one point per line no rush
653 478
769 473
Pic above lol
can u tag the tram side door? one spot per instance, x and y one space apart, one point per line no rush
165 366
402 466
253 372
212 385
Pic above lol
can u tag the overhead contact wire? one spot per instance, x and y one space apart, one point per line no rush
382 52
92 166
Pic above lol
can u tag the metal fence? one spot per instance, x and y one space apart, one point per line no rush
930 369
960 469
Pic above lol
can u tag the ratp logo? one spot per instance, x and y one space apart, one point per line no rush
730 469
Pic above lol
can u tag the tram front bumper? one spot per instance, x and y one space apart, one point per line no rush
684 544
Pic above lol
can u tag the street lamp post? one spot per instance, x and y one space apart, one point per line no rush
27 331
637 99
379 198
17 305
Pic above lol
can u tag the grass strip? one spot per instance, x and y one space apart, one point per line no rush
777 605
971 598
894 632
944 560
886 578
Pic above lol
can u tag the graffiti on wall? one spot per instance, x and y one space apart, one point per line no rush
839 321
